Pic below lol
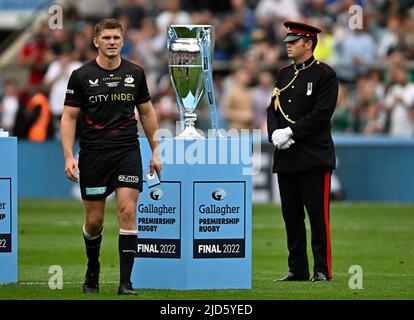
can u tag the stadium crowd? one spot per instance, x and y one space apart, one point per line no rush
373 63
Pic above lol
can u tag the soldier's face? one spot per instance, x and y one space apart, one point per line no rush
109 42
297 49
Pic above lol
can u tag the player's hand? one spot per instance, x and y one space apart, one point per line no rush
287 145
155 164
72 169
281 136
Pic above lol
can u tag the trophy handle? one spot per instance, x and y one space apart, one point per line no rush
207 71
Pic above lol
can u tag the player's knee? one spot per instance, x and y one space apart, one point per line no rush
93 224
127 213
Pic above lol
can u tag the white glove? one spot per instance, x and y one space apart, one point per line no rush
281 136
287 145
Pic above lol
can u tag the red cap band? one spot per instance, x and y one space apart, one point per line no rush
302 32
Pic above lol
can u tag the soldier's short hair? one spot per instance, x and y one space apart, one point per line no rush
314 42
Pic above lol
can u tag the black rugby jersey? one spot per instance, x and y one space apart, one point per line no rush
107 99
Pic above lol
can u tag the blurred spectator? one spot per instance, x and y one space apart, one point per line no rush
394 60
368 114
93 10
400 7
9 104
172 14
165 105
226 45
324 51
399 101
408 35
204 16
56 80
261 94
134 9
375 77
244 22
37 55
261 49
59 41
83 42
315 9
128 34
150 46
342 116
237 101
215 6
390 39
70 18
339 7
353 52
271 11
38 118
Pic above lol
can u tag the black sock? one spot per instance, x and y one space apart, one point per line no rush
127 246
92 250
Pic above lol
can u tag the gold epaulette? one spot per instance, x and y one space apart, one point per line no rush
277 92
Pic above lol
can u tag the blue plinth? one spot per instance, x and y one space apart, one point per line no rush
194 229
8 209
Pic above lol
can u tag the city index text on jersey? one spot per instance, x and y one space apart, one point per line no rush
112 97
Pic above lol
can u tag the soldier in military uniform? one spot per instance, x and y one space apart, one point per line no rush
298 121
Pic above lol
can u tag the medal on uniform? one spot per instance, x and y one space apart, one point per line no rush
309 90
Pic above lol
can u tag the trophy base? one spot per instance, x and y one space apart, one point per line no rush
190 133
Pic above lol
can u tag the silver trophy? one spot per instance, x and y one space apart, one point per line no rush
191 50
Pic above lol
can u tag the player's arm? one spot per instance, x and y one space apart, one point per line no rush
68 130
149 123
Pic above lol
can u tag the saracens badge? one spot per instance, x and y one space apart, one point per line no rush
129 80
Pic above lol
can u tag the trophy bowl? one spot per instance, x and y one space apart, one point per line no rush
185 44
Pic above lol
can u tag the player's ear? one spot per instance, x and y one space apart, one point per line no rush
95 42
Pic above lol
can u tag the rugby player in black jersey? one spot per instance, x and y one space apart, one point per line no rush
103 94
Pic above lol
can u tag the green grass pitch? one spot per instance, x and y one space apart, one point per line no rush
377 237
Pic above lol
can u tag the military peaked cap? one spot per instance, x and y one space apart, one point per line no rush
297 30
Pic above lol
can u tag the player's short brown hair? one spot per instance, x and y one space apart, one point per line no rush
106 24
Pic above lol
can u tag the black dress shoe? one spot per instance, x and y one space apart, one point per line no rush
293 277
91 283
319 276
125 289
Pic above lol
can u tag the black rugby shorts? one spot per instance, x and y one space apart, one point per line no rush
103 171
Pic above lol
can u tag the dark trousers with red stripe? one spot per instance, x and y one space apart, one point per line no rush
308 190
